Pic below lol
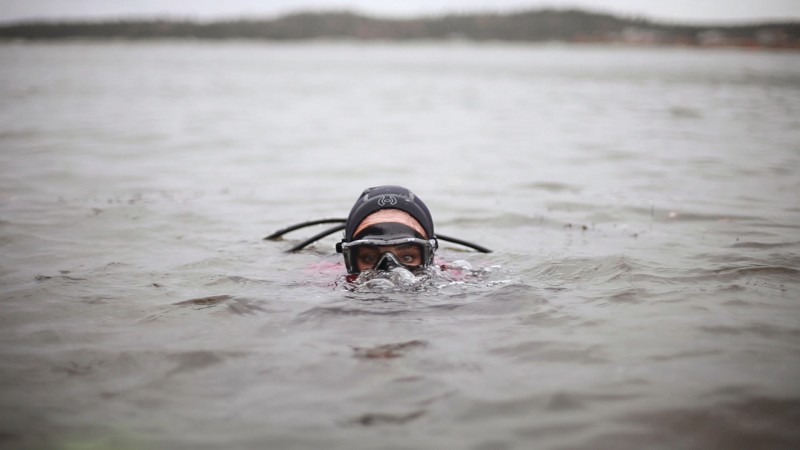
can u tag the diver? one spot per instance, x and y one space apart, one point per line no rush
388 227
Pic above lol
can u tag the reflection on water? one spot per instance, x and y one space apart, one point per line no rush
642 205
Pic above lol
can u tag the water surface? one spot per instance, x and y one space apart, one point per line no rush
642 204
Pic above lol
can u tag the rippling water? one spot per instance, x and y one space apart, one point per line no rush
642 205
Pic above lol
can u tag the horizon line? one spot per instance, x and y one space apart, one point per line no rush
388 16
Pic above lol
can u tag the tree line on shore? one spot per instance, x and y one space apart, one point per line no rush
524 26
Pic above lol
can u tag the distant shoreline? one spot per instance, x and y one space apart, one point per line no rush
569 26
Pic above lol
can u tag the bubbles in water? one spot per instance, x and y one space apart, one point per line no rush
460 264
379 284
399 279
402 277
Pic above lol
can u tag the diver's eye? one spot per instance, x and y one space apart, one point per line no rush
368 259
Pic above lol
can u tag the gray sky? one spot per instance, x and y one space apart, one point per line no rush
675 10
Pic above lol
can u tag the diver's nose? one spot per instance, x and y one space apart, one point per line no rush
387 262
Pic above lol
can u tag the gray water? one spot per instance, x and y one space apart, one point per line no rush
642 205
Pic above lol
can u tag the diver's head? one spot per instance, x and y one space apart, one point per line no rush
388 227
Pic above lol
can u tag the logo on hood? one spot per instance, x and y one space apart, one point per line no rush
385 200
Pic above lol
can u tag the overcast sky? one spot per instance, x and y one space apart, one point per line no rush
673 10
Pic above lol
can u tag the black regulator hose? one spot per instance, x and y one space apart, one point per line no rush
329 231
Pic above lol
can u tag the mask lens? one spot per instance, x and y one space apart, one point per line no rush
367 255
408 255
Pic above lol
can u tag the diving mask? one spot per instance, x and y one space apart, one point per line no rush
385 246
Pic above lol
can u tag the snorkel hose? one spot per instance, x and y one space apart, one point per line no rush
296 248
388 226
